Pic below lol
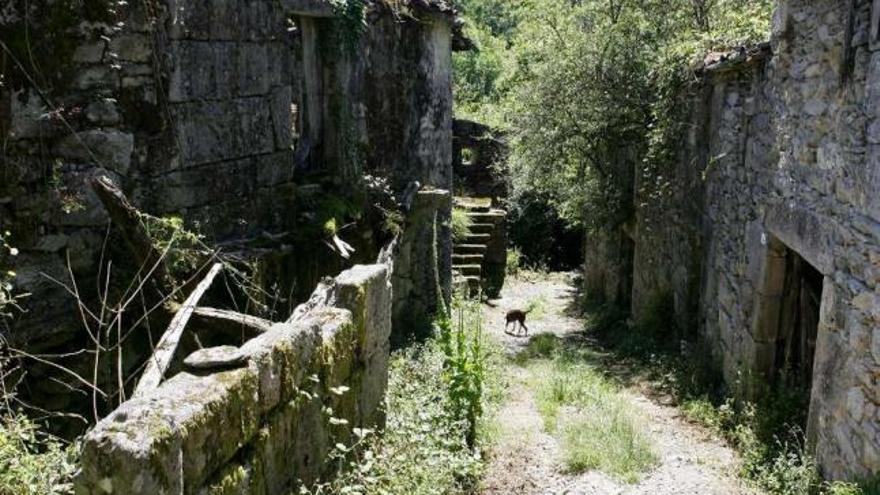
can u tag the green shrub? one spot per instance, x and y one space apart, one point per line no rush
461 224
514 261
31 462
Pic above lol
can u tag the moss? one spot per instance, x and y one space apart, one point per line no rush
232 482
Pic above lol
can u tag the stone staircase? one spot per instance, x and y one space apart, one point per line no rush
475 259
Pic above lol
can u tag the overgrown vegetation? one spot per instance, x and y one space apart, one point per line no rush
597 426
31 461
588 93
461 224
438 392
767 431
8 299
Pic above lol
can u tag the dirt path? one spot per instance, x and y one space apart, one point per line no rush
526 458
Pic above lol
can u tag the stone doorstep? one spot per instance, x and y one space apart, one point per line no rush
494 217
466 270
468 248
472 283
482 228
467 259
478 238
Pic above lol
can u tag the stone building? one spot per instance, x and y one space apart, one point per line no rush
765 233
250 121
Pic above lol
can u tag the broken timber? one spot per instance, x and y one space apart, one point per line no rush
159 362
231 320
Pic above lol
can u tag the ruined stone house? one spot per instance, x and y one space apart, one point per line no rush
261 125
764 234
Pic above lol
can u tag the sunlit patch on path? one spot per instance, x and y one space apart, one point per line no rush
566 428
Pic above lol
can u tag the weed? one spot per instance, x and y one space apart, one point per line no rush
32 463
597 426
461 224
436 396
461 341
514 261
764 431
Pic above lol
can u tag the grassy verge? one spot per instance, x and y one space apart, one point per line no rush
766 432
596 426
436 427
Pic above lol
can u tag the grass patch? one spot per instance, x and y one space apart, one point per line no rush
537 307
765 431
596 425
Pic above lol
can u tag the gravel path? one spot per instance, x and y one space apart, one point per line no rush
526 459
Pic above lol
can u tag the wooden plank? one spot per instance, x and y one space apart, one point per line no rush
164 353
230 320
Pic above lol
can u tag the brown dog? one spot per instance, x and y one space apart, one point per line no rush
517 316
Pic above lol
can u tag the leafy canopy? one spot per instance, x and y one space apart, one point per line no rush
584 88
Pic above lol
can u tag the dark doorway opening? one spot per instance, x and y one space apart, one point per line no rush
798 323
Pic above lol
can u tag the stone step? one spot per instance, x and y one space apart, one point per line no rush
482 228
469 284
474 205
468 248
477 238
468 270
467 259
494 217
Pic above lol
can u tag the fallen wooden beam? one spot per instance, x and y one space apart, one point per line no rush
161 359
128 220
227 320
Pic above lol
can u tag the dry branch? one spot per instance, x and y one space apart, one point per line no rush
161 359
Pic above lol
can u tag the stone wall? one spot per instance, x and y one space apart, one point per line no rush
779 166
241 118
419 291
481 175
266 426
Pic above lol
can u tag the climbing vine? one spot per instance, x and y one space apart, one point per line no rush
349 25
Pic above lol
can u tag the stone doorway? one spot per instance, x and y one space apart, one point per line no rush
788 319
798 322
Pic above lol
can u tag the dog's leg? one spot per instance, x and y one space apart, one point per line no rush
525 327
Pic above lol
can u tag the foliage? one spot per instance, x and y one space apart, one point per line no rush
589 91
435 396
514 261
541 235
460 338
349 24
461 224
32 463
599 429
766 430
8 299
185 249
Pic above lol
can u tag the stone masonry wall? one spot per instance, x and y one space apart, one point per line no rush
264 428
228 114
781 159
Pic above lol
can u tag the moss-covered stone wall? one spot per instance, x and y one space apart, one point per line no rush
266 426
